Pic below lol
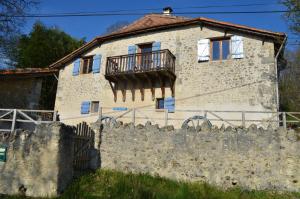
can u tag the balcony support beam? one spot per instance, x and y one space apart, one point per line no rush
151 84
133 81
161 83
124 87
142 88
113 86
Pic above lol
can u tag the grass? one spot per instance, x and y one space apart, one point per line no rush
112 184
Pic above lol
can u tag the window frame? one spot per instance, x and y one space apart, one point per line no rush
92 107
220 40
90 64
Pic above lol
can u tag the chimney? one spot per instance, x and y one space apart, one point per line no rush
167 11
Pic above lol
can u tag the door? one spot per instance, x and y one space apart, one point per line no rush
145 60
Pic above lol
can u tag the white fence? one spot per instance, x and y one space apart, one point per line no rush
9 118
229 118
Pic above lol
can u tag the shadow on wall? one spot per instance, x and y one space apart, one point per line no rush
30 167
207 93
44 162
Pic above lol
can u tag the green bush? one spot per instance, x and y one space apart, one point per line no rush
112 184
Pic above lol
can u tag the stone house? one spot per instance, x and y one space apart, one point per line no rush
21 88
177 63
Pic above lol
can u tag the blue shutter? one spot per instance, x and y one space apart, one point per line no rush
85 107
156 55
76 67
131 58
97 63
119 108
169 104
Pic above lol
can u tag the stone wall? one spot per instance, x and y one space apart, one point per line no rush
233 84
251 158
39 163
20 93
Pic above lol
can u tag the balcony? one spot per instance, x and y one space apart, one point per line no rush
143 70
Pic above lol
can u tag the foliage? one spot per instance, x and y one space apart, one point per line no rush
43 46
293 16
289 86
116 26
112 184
39 49
10 25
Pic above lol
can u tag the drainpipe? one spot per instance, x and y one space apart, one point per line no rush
276 67
55 76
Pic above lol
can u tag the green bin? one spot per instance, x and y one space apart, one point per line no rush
3 153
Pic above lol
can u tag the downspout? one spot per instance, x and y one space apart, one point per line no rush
55 116
55 76
276 68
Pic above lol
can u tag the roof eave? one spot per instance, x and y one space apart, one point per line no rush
28 73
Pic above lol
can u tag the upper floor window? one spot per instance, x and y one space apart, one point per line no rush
87 65
220 49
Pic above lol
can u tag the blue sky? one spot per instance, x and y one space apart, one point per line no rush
89 27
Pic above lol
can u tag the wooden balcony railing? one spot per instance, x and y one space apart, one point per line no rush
161 60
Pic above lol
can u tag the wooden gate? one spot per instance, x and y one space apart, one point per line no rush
83 143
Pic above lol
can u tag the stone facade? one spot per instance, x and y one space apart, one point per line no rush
39 163
250 158
20 93
234 84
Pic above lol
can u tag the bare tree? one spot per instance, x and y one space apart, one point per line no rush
11 20
293 16
116 26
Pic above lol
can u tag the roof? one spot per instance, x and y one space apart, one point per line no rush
151 20
155 22
32 72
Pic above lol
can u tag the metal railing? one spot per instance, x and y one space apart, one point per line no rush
9 118
141 62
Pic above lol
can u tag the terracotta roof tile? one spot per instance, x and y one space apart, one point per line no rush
151 20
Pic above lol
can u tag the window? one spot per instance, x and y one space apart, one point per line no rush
95 107
87 65
220 49
160 103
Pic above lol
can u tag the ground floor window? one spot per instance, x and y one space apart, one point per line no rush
160 103
95 107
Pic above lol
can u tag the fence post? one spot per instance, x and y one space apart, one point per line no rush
133 116
100 114
284 120
54 116
243 119
13 124
166 117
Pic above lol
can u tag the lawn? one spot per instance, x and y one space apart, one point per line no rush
111 184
